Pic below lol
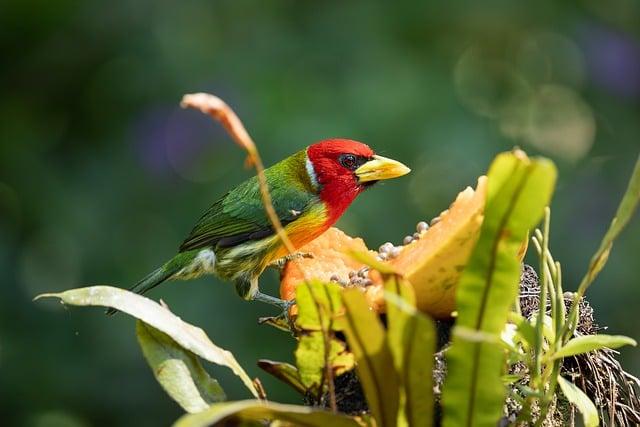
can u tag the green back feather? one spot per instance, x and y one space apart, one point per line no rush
239 215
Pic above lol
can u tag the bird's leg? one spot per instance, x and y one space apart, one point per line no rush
280 262
248 289
284 305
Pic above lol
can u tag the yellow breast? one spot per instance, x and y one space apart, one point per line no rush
304 229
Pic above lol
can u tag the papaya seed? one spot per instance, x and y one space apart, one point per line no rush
422 226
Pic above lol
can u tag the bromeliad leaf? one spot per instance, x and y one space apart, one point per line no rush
258 412
375 365
518 190
150 312
581 401
412 340
587 343
178 371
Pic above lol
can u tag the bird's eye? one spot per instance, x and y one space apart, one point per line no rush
349 161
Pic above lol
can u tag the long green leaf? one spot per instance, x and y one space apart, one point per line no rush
412 341
623 215
625 211
259 411
178 371
374 362
587 343
581 401
518 190
187 336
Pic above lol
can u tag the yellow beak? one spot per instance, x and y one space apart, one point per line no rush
380 168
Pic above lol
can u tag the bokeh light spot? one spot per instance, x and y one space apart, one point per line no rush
487 85
561 123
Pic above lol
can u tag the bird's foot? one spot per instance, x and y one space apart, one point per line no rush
280 262
284 305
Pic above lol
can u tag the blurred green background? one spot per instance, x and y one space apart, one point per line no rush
102 174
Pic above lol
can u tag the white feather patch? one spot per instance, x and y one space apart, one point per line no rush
207 259
203 263
312 173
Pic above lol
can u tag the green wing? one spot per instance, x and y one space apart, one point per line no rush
239 215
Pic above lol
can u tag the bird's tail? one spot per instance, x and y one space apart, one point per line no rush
152 280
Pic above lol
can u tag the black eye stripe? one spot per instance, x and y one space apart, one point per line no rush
352 161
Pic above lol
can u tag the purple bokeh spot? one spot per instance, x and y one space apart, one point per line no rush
166 137
613 59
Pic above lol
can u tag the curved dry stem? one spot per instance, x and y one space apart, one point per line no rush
221 112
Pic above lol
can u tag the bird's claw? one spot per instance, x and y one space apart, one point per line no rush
280 262
284 305
285 314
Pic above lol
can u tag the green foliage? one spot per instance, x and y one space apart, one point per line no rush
319 354
584 344
519 189
285 372
255 412
582 402
394 363
411 337
374 362
623 215
178 370
544 341
189 337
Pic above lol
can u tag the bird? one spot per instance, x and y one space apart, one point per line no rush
310 190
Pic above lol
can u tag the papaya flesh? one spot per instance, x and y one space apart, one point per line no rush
330 262
432 262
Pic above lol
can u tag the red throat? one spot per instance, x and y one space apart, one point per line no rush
338 186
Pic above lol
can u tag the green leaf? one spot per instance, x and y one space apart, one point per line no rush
581 401
525 329
315 301
518 190
184 334
412 341
259 411
625 211
374 362
587 343
310 358
178 371
318 305
285 372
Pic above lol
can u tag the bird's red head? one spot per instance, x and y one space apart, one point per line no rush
343 168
